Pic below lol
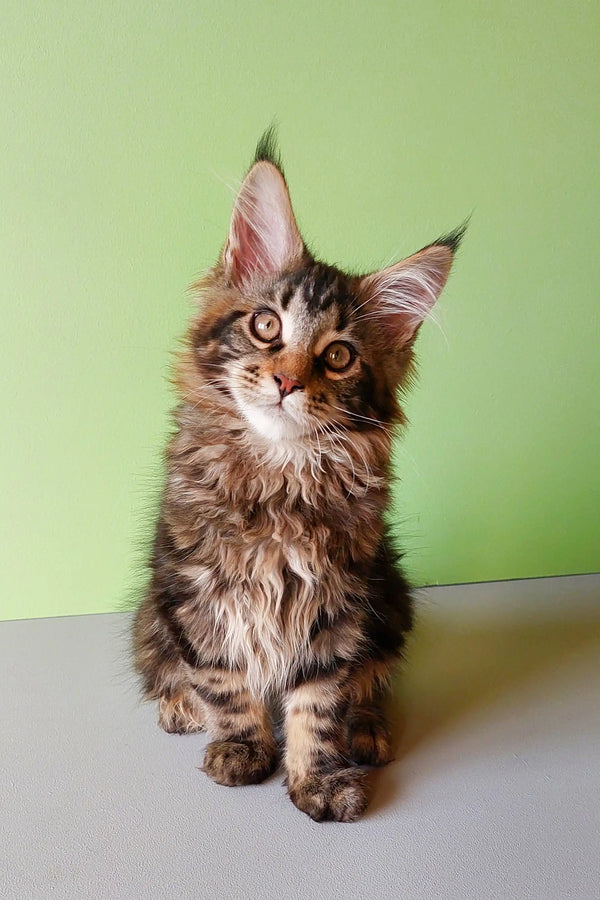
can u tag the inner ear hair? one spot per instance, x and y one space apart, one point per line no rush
263 235
403 295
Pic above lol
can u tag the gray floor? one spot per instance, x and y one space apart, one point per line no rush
495 792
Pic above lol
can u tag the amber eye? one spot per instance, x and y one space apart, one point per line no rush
338 356
266 326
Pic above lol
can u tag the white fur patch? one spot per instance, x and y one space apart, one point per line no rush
269 423
256 636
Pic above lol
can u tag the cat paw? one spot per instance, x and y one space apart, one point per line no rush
369 743
176 715
235 763
337 797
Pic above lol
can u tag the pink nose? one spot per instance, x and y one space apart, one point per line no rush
287 385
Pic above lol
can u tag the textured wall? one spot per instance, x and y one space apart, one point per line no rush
123 128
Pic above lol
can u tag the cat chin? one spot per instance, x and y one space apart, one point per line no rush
273 423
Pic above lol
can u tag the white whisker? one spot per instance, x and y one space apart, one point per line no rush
377 423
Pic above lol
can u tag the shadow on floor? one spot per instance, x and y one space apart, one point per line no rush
455 668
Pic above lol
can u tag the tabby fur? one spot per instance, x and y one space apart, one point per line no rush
273 580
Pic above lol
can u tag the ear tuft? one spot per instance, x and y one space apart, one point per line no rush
453 239
267 149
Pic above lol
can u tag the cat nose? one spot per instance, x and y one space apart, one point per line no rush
287 385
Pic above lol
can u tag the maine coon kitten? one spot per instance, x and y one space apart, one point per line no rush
272 574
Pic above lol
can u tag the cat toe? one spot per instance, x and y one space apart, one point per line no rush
370 745
178 716
236 763
336 797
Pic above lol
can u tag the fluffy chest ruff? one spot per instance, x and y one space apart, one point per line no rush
268 567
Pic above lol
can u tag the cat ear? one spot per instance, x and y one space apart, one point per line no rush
403 295
263 235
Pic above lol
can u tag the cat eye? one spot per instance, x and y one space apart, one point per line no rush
338 356
265 326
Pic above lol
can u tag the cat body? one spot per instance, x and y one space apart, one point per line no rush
273 578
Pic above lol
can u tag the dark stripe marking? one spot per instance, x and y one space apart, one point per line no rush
222 699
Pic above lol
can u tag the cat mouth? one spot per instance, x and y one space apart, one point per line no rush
277 407
281 412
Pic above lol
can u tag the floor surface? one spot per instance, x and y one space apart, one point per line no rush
495 792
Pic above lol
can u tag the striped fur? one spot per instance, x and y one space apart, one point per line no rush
272 578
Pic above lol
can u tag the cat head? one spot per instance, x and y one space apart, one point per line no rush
296 349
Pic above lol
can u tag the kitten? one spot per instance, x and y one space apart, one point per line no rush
272 573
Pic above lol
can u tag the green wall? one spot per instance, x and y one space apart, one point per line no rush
123 128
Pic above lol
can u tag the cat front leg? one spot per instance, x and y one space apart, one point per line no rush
243 749
319 781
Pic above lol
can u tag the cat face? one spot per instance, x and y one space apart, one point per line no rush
298 357
297 349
